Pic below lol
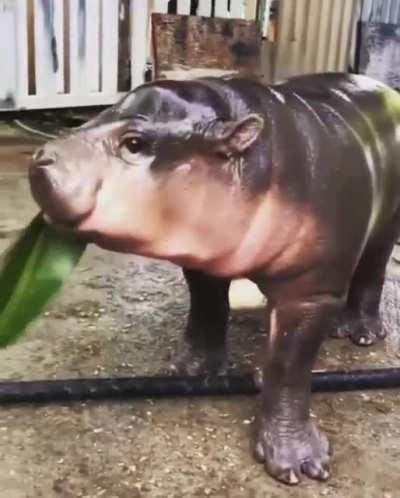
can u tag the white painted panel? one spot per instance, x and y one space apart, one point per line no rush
22 49
221 9
48 37
8 35
92 45
204 8
138 41
68 100
183 7
77 46
160 6
59 37
237 9
109 48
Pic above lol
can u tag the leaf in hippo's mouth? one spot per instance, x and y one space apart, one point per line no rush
31 271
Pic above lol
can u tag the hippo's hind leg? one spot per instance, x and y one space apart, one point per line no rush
361 320
202 348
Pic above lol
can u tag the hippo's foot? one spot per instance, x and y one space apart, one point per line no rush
288 457
364 331
191 360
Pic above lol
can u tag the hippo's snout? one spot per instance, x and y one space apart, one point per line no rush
65 194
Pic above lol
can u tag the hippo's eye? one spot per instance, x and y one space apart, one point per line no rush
132 144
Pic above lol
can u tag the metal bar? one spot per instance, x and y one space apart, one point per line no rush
48 391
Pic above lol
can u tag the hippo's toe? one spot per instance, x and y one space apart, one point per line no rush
290 457
189 360
364 331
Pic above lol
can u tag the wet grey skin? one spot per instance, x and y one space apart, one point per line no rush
294 186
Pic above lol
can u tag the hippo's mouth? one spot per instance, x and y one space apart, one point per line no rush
77 227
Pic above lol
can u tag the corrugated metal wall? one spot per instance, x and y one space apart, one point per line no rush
313 36
386 11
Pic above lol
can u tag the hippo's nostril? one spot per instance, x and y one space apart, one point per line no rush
46 161
43 158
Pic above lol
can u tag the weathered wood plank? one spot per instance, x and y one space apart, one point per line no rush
184 46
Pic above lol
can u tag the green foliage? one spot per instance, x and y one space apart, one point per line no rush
32 270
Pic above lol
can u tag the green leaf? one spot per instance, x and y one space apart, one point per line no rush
31 272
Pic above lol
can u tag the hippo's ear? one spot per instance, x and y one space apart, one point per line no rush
240 135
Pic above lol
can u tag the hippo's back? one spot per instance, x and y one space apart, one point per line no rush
331 137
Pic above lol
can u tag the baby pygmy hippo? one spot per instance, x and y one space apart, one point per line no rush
295 186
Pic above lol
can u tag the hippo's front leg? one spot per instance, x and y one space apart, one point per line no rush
288 442
202 348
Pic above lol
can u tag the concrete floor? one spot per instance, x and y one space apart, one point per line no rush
121 315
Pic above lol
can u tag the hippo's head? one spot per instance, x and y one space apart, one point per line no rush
158 174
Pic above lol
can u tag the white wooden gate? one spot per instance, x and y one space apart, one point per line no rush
64 53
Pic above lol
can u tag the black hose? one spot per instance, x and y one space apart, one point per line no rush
48 391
